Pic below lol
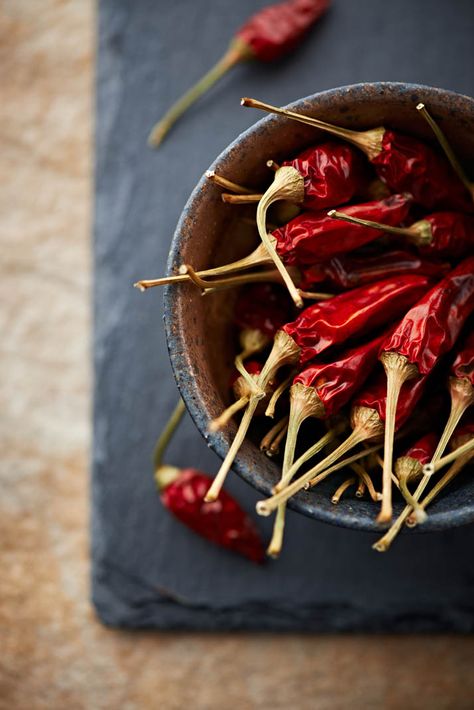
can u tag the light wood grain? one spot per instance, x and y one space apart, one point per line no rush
54 654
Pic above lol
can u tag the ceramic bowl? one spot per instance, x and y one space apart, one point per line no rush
200 336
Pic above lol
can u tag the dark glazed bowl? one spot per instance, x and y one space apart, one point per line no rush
200 337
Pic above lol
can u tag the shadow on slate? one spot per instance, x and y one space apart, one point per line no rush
148 570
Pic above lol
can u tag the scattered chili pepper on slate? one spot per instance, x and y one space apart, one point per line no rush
447 234
182 493
321 326
267 36
404 163
427 331
409 467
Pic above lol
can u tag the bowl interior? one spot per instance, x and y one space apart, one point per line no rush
200 335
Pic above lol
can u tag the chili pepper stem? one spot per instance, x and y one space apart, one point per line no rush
364 476
451 473
282 387
410 500
315 295
462 397
266 276
342 489
228 184
223 419
430 468
241 199
445 145
419 232
398 370
259 257
288 184
284 352
273 433
361 487
274 447
370 142
236 53
164 474
306 456
276 542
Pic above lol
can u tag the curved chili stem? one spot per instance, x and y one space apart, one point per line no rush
451 473
365 477
220 180
342 489
267 441
274 447
224 418
419 231
445 145
462 396
282 387
241 199
167 433
430 468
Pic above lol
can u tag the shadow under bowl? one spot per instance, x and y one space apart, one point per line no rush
201 338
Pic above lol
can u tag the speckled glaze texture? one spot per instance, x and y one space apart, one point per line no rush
199 334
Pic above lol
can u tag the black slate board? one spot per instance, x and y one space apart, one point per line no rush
148 570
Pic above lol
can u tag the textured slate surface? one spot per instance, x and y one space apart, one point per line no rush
147 569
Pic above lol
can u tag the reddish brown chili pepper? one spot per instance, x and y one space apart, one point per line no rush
321 326
311 237
427 331
351 270
268 35
182 493
409 467
404 163
446 234
367 416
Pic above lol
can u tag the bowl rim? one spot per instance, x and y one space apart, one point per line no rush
437 521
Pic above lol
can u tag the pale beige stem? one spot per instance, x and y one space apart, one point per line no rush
276 542
315 295
274 447
451 473
249 379
223 419
398 370
430 468
266 276
241 199
462 396
213 492
365 477
284 352
420 232
267 440
342 489
288 184
361 488
228 184
282 387
306 456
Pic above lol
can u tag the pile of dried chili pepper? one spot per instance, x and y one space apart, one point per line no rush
385 281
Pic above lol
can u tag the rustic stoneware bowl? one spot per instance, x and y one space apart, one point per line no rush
200 336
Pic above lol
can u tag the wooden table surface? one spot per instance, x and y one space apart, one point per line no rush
54 653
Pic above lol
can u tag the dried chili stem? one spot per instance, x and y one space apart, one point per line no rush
228 184
451 473
307 455
223 419
274 447
361 488
315 295
430 468
408 469
462 397
365 477
340 464
167 433
267 441
445 145
398 371
282 387
342 489
370 142
241 199
419 232
287 185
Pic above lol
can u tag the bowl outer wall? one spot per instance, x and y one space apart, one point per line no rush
201 363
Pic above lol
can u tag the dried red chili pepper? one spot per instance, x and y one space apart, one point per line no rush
367 417
409 467
321 326
349 271
182 493
427 331
268 35
404 163
447 234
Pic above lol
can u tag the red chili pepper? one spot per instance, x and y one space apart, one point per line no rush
267 36
263 307
409 467
374 397
448 234
427 331
349 271
423 449
182 493
309 237
404 163
463 365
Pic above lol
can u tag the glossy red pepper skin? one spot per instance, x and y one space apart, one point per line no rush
374 396
332 174
356 312
453 235
222 522
463 365
431 327
406 164
349 271
264 307
423 449
336 382
311 237
278 29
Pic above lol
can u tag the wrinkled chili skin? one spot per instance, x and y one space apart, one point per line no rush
463 365
423 449
374 396
407 164
452 235
337 382
264 307
311 237
431 327
222 522
352 313
278 29
332 174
